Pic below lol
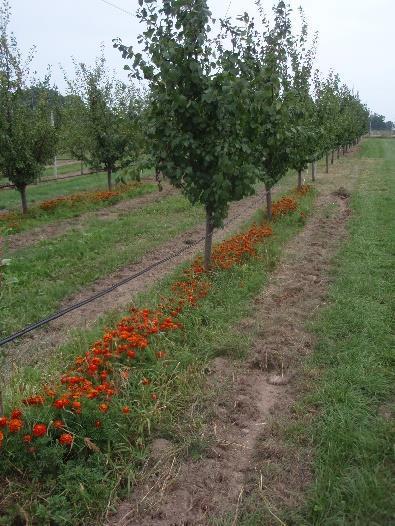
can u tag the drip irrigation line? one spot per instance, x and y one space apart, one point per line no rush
62 312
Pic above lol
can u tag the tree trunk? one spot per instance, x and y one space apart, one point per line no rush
299 179
338 153
269 202
332 157
327 162
209 239
82 167
313 170
109 179
22 191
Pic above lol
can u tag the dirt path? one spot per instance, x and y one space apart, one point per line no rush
246 457
52 230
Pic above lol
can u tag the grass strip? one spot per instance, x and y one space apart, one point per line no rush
14 222
353 435
38 278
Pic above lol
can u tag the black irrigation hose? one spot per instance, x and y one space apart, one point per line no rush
104 292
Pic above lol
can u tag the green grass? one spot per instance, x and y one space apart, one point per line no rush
10 199
39 218
352 436
40 277
64 169
49 172
349 379
79 495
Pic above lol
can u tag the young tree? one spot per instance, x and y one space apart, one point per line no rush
74 135
265 68
102 101
327 114
196 115
27 137
300 103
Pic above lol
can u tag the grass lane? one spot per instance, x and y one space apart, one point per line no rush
39 278
353 435
10 199
37 217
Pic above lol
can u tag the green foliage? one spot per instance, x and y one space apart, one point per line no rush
264 65
102 117
299 101
377 122
195 116
27 137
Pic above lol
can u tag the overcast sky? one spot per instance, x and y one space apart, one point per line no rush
356 37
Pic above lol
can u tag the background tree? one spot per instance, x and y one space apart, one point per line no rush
74 135
195 116
104 103
27 139
265 67
378 122
300 103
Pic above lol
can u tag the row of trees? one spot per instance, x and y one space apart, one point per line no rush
223 110
99 121
244 105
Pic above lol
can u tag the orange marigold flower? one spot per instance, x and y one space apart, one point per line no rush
34 400
66 439
3 421
27 439
125 410
58 424
15 425
39 430
76 405
145 381
103 408
132 354
17 413
97 424
61 403
1 437
154 396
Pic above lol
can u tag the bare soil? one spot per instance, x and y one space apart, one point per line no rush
248 459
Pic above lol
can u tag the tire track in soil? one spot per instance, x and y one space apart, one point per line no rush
174 492
52 230
33 347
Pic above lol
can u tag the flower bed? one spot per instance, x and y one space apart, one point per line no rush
12 219
87 197
105 389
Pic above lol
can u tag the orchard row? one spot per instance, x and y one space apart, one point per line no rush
229 104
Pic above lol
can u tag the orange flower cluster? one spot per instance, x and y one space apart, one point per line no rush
233 251
303 190
283 206
92 382
87 197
